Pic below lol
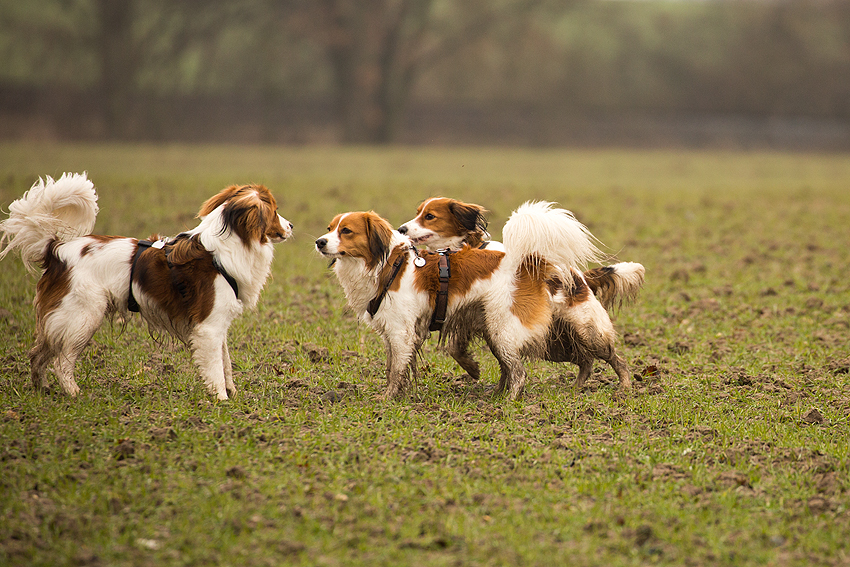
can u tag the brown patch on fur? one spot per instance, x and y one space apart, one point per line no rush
452 218
531 302
579 293
99 242
185 289
581 290
250 211
53 286
468 265
599 278
363 235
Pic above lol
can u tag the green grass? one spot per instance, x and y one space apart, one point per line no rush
741 331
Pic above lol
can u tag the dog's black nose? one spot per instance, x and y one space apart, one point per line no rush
402 229
321 243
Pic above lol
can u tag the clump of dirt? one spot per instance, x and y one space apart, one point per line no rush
124 449
317 354
813 417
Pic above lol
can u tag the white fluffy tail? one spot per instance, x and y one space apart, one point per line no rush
539 231
615 284
61 209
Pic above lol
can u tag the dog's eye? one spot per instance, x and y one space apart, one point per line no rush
429 216
345 230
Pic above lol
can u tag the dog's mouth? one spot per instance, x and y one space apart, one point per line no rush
421 239
328 254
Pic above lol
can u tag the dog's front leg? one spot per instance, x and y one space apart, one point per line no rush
228 370
208 344
40 356
64 368
400 356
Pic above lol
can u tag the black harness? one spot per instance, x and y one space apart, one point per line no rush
442 301
438 317
133 304
375 304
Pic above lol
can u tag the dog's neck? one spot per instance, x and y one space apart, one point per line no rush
361 284
455 243
249 264
473 240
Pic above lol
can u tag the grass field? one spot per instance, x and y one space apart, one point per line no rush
731 450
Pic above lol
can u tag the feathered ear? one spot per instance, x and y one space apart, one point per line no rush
379 235
470 217
216 200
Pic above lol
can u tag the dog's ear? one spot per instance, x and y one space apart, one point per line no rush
470 217
379 234
216 200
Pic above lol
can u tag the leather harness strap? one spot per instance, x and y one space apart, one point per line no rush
442 301
143 245
133 304
375 304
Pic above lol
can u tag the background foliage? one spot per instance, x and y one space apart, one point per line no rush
354 71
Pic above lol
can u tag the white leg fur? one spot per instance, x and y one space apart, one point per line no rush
207 345
228 370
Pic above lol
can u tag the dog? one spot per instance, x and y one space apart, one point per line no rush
509 298
191 286
444 223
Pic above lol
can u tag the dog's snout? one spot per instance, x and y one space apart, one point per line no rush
321 243
402 229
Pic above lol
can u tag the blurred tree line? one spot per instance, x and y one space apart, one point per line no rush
135 67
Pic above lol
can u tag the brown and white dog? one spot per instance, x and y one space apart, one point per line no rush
191 286
509 298
444 223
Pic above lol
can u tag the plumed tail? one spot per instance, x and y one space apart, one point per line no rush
540 232
616 284
50 210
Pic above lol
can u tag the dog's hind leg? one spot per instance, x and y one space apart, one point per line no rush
207 344
513 374
620 367
585 367
75 326
458 349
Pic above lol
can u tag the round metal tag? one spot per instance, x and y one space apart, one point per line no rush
419 261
